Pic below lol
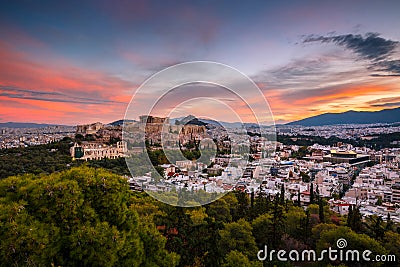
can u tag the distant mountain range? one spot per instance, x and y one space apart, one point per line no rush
351 117
193 120
348 117
190 119
120 122
26 125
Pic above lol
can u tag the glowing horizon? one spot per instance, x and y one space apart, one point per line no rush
60 66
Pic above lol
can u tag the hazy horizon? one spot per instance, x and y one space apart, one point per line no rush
174 118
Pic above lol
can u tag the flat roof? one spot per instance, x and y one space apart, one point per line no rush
343 152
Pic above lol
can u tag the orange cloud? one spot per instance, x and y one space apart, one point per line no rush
346 92
289 105
54 91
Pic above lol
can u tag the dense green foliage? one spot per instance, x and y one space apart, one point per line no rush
83 216
35 159
55 156
305 140
381 140
117 165
86 216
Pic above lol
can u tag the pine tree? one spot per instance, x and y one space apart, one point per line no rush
278 222
261 205
243 205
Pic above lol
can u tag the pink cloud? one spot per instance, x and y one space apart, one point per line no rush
53 91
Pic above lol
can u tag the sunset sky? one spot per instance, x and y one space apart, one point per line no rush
69 62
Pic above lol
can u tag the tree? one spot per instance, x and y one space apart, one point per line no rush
282 195
262 230
305 177
302 152
321 210
159 174
319 229
192 234
374 227
350 216
278 222
293 223
306 226
154 246
153 242
77 217
389 223
252 200
359 242
219 210
312 193
238 236
298 199
314 214
243 205
379 201
262 204
236 258
354 219
392 243
35 159
79 137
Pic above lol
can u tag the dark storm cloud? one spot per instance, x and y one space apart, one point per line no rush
370 47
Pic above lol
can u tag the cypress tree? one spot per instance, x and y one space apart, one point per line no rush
389 223
355 220
321 210
350 216
298 199
252 199
306 227
312 193
282 195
